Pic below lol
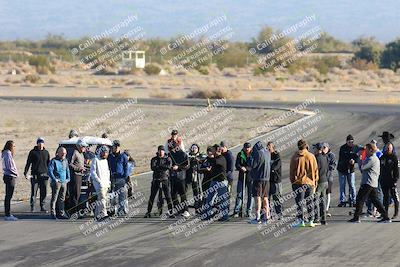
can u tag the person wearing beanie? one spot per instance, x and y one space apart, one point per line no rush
160 165
38 161
100 177
348 156
331 167
304 178
244 183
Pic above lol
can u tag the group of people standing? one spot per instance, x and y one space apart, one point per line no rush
210 177
107 171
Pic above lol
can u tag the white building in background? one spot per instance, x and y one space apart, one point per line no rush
135 59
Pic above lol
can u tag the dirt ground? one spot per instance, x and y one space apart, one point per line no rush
141 128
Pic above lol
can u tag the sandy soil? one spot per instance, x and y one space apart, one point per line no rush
141 128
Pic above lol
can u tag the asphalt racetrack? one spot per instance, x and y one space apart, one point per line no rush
36 240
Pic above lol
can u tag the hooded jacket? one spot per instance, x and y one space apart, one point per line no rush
304 168
9 166
77 162
389 170
346 153
229 164
160 167
331 164
118 163
218 168
39 159
260 163
100 173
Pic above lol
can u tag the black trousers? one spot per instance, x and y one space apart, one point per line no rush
74 193
275 197
156 187
179 188
364 192
10 185
388 193
39 182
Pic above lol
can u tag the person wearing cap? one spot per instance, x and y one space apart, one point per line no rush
77 170
180 164
100 177
205 169
388 179
119 168
275 182
369 183
326 150
38 161
304 178
218 187
70 149
260 172
348 156
175 139
160 165
244 183
59 175
322 185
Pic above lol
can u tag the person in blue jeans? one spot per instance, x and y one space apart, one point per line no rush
218 191
119 169
347 158
243 179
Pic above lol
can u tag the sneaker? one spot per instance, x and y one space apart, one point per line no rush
43 210
310 224
264 222
235 215
323 222
354 220
186 214
53 216
328 215
317 223
147 215
342 204
255 221
10 218
385 220
299 224
63 217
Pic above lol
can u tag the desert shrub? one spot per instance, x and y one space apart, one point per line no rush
203 70
212 94
323 64
32 78
362 64
152 69
390 58
42 64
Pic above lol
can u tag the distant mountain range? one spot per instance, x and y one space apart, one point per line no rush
344 19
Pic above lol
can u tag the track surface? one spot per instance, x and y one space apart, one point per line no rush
37 241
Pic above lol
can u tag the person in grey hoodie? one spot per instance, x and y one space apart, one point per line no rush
10 176
369 183
260 168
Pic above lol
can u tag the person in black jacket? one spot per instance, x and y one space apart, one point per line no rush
332 165
180 164
205 169
38 160
218 187
193 175
320 193
160 165
243 180
275 190
347 159
389 177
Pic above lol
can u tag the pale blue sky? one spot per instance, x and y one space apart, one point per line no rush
347 20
